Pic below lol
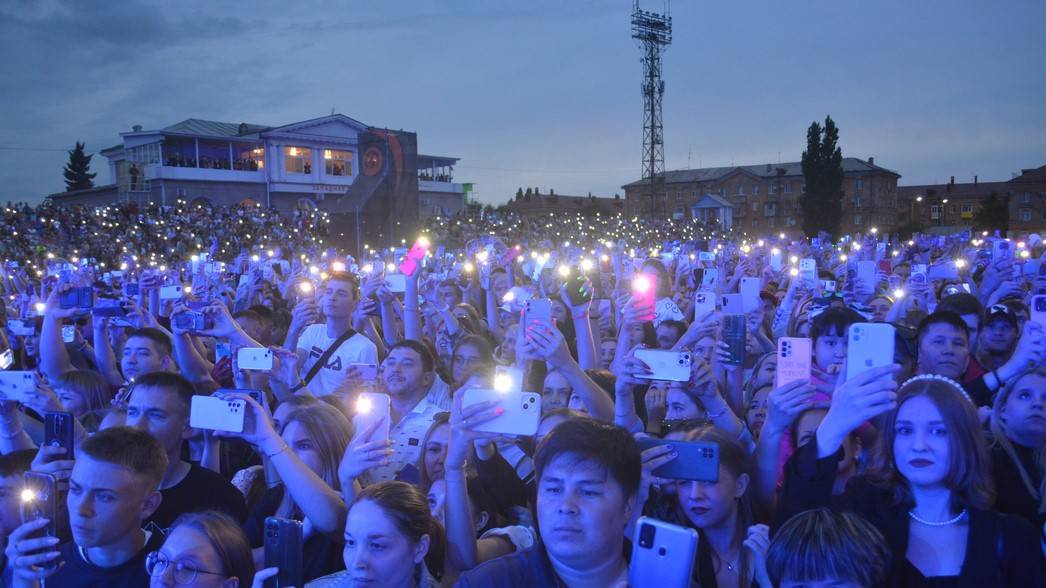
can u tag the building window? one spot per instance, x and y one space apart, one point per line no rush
773 188
1026 198
250 158
788 188
299 160
769 209
935 211
740 189
694 194
755 189
860 184
214 155
857 219
771 222
857 203
338 163
966 210
1025 215
802 188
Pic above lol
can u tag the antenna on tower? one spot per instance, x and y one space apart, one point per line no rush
654 33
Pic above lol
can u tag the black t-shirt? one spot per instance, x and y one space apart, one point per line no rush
78 573
200 489
321 553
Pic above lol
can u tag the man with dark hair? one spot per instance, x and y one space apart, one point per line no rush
669 332
144 351
587 477
334 342
971 312
998 336
112 491
822 547
158 403
449 294
253 324
406 374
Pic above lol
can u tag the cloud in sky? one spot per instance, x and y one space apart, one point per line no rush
540 93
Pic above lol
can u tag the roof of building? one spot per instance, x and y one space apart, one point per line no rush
211 128
766 170
956 190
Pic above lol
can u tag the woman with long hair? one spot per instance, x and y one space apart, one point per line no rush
931 492
1018 446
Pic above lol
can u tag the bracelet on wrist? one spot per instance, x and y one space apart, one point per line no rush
283 447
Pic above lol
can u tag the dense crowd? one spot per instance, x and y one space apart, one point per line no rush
203 396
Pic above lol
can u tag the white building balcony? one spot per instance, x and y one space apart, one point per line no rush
445 187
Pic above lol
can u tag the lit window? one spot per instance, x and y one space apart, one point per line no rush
299 160
338 163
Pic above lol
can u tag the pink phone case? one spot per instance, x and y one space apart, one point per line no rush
794 355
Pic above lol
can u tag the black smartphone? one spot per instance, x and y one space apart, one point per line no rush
283 550
77 298
40 500
132 289
734 334
577 290
58 431
193 321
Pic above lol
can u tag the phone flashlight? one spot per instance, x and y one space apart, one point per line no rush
898 294
793 272
563 270
502 382
305 288
314 270
40 307
28 495
776 251
364 405
255 258
339 266
482 255
960 263
843 257
641 284
468 267
187 289
508 297
390 267
794 259
586 265
270 253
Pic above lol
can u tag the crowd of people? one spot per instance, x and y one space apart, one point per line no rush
920 466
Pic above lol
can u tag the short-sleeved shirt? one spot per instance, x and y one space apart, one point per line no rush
406 439
77 572
314 342
200 489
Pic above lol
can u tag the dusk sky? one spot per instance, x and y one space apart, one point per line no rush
536 93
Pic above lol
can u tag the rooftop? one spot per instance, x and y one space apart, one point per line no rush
766 170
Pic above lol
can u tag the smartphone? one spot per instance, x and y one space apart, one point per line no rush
1038 309
866 272
696 460
776 259
828 286
508 379
808 271
21 328
886 266
706 256
7 358
217 414
704 303
1001 249
258 395
68 333
663 554
412 261
708 279
918 274
283 550
869 345
170 292
58 431
222 349
732 304
132 289
537 309
40 499
522 410
577 290
750 289
193 322
17 385
397 283
77 298
371 407
368 371
254 358
734 333
794 355
644 293
671 366
108 310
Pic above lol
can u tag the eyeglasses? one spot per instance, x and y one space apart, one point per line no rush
156 564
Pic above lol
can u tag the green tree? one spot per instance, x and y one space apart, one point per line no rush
994 214
822 163
77 173
519 194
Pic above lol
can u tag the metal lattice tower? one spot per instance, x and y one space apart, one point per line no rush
654 32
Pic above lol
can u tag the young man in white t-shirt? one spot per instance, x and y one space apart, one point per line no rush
310 339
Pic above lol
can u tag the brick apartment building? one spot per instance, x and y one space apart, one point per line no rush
951 207
765 197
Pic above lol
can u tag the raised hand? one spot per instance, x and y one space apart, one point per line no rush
785 403
363 453
862 398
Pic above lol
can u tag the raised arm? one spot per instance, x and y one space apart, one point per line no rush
54 357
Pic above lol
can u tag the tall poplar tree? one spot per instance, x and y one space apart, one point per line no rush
822 204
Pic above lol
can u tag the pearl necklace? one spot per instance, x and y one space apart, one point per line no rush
951 521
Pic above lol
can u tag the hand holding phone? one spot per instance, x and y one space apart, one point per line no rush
373 410
217 414
644 294
254 358
284 550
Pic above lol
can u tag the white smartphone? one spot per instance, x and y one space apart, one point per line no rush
7 358
866 271
372 407
1038 309
794 356
776 259
808 271
732 304
217 414
870 345
828 286
750 288
1002 249
68 333
397 283
706 256
21 328
671 366
170 292
522 410
368 371
704 303
17 385
663 554
709 278
254 358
